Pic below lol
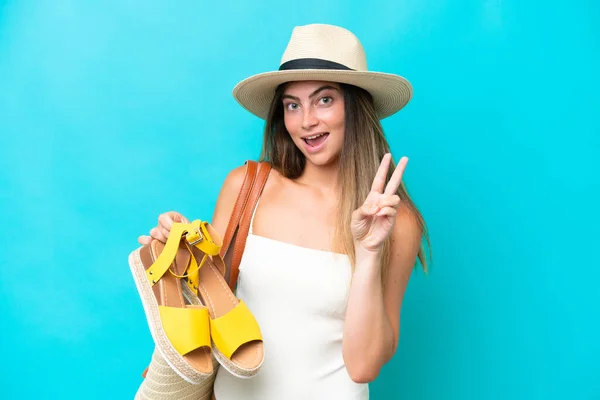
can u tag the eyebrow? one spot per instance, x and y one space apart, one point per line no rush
313 94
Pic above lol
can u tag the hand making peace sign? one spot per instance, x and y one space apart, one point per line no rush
372 223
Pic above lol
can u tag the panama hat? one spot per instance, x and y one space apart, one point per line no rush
326 53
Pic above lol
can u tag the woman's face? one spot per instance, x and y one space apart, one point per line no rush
314 117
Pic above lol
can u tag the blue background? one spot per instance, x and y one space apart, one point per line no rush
112 112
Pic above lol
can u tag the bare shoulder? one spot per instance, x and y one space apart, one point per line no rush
233 180
275 181
407 224
227 197
405 243
229 192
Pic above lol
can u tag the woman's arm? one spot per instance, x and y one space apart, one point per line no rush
372 327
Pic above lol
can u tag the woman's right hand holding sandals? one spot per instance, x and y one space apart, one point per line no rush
161 231
239 350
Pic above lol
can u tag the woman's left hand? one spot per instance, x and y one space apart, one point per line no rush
372 223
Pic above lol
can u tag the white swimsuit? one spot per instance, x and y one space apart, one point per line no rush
298 296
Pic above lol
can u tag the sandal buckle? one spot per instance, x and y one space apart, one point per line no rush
194 237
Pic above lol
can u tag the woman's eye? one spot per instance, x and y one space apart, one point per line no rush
292 106
326 100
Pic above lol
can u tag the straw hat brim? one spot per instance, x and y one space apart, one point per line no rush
390 92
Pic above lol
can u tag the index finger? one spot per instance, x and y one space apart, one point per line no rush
167 219
396 179
380 177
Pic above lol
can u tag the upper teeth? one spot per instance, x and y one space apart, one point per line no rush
316 136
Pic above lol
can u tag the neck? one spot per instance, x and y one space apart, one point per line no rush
321 177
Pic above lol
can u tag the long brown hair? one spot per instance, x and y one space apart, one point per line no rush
364 147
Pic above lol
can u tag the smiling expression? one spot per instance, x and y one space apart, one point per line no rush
314 116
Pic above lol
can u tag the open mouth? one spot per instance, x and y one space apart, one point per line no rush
316 140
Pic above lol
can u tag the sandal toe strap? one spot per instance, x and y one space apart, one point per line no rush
234 329
187 328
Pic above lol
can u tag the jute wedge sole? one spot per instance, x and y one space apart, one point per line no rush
163 383
180 330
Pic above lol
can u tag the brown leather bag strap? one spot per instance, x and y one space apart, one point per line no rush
240 244
240 204
239 222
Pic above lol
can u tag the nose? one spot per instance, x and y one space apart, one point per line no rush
308 119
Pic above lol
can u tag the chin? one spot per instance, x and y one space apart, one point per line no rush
322 160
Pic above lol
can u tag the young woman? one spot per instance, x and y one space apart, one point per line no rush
335 236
